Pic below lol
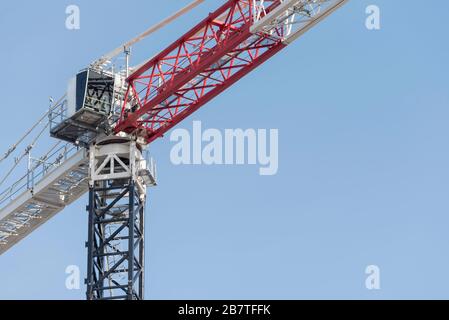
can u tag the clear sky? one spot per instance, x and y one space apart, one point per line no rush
363 158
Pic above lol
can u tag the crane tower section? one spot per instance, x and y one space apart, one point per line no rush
227 45
118 179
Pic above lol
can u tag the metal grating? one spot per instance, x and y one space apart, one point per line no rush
57 189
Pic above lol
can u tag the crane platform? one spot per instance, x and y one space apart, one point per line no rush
57 188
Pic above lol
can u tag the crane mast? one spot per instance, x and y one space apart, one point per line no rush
109 118
118 181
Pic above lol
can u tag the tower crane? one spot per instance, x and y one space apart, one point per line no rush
110 115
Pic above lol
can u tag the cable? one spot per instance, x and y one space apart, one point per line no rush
147 33
14 146
24 154
4 195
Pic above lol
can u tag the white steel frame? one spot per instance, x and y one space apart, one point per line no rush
292 18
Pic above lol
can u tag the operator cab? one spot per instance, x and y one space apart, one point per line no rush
90 101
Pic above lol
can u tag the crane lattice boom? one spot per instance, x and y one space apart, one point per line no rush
227 45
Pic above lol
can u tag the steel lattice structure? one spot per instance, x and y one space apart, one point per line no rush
116 236
204 62
230 43
109 136
115 242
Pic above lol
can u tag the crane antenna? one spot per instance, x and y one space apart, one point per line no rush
147 33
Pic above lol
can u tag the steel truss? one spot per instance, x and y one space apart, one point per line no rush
203 63
226 46
119 177
115 242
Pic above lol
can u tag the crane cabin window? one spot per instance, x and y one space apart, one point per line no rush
95 91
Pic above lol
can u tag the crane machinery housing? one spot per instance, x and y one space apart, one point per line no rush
109 116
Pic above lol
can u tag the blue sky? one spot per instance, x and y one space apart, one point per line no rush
363 159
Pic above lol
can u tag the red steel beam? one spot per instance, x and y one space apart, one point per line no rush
203 63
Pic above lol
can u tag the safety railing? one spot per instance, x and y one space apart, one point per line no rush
58 114
38 169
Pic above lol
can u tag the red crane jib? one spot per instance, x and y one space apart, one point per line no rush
203 63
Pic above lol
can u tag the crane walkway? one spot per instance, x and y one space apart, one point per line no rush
41 194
